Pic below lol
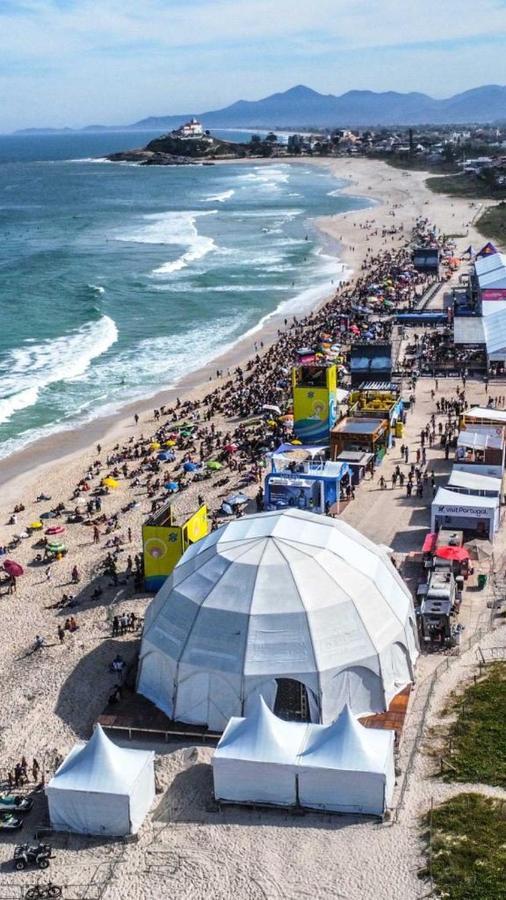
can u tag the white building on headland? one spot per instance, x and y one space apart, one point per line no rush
191 129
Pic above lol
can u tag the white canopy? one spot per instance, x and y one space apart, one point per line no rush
101 788
480 469
480 440
255 759
489 263
450 509
342 767
487 413
276 596
345 767
474 483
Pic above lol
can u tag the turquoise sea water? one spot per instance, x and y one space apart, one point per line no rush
115 280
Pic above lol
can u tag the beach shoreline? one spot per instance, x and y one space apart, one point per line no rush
64 444
387 188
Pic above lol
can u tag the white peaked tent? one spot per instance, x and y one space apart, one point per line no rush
255 759
342 767
101 788
276 597
347 768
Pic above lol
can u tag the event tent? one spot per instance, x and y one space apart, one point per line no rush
341 767
473 483
347 768
101 788
282 604
453 510
255 759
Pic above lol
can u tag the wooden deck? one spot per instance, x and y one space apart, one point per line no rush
139 717
393 719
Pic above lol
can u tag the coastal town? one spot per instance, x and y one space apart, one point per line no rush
240 620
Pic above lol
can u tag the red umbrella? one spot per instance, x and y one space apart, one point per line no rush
231 448
13 568
55 529
460 554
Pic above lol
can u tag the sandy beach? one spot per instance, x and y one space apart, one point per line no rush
51 698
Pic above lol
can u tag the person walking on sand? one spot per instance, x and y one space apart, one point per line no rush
96 534
61 634
48 573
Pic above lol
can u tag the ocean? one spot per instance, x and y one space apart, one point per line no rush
116 280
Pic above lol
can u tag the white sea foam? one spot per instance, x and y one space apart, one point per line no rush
97 288
220 198
27 370
173 228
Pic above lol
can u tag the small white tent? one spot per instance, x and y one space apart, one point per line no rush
346 767
101 788
255 759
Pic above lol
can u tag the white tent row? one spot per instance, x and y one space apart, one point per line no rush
101 788
477 469
487 414
480 440
489 263
469 482
342 767
452 510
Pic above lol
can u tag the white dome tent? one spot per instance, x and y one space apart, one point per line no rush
101 788
281 604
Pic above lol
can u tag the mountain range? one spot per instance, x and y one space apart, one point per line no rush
302 107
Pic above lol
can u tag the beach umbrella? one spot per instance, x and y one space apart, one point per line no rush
110 482
459 554
288 417
214 465
226 508
190 466
165 456
154 445
13 568
271 423
36 526
231 448
296 441
170 443
171 486
271 408
55 529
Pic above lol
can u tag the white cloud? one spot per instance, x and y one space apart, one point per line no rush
101 57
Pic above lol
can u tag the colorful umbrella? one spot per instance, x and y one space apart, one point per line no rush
170 443
171 486
55 529
110 482
214 465
460 554
13 568
154 446
36 526
231 448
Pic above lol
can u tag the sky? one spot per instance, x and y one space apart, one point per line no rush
81 62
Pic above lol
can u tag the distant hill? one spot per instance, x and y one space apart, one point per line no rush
301 107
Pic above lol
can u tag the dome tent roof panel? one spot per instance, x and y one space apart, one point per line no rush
296 595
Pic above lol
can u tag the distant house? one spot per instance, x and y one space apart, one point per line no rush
191 129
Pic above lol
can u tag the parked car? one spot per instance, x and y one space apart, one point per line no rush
12 803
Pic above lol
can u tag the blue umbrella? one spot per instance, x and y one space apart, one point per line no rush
166 456
171 486
190 467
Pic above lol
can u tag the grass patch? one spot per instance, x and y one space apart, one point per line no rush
492 223
464 186
467 858
478 736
